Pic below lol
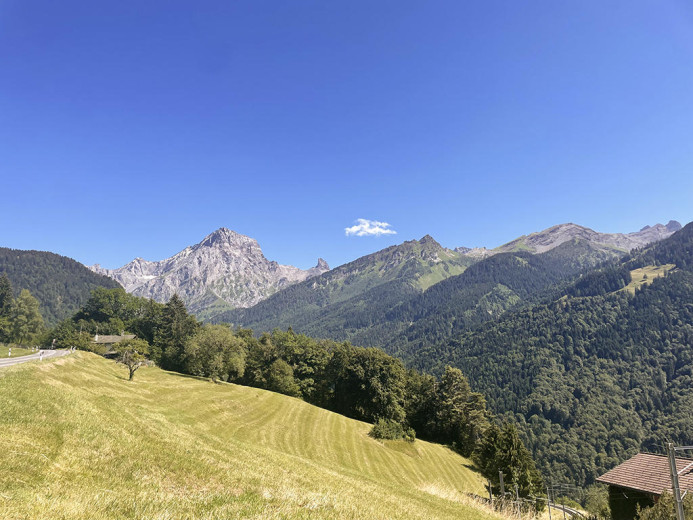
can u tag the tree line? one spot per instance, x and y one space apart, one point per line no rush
362 383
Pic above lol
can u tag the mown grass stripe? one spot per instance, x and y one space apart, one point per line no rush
165 446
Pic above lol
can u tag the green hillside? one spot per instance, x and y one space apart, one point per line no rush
601 371
354 296
81 442
416 293
483 293
60 284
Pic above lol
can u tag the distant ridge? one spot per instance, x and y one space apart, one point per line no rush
224 270
552 237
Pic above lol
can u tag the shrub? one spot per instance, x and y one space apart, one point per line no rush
392 430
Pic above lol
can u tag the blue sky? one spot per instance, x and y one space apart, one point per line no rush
136 128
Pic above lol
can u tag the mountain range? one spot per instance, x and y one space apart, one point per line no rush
545 240
227 271
584 346
580 338
395 295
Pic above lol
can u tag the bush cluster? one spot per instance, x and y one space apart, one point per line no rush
387 429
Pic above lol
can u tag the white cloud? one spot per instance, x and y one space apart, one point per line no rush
369 228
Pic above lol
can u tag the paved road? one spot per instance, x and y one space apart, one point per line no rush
6 362
572 512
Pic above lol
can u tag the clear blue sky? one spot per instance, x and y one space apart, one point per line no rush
135 128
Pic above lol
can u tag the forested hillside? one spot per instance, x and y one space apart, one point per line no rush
596 375
485 291
60 284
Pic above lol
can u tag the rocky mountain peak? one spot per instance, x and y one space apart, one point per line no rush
554 236
226 237
428 242
477 253
673 226
224 268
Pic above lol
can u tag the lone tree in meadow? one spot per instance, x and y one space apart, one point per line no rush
132 353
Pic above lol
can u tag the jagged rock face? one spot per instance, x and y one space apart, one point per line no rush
552 237
478 253
223 266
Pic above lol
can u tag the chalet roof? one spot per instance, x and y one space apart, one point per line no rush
648 473
100 339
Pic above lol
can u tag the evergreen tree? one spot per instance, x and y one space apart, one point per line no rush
461 414
6 295
501 449
421 403
26 320
6 300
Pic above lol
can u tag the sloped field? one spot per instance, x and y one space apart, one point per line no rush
78 441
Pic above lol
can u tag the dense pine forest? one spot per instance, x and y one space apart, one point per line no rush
485 291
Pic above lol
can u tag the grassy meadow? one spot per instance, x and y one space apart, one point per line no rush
81 442
646 275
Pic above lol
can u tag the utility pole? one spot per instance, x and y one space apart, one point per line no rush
490 493
502 486
548 501
671 451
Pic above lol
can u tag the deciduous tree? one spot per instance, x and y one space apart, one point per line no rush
214 351
133 354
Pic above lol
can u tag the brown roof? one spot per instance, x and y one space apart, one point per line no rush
648 473
111 339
